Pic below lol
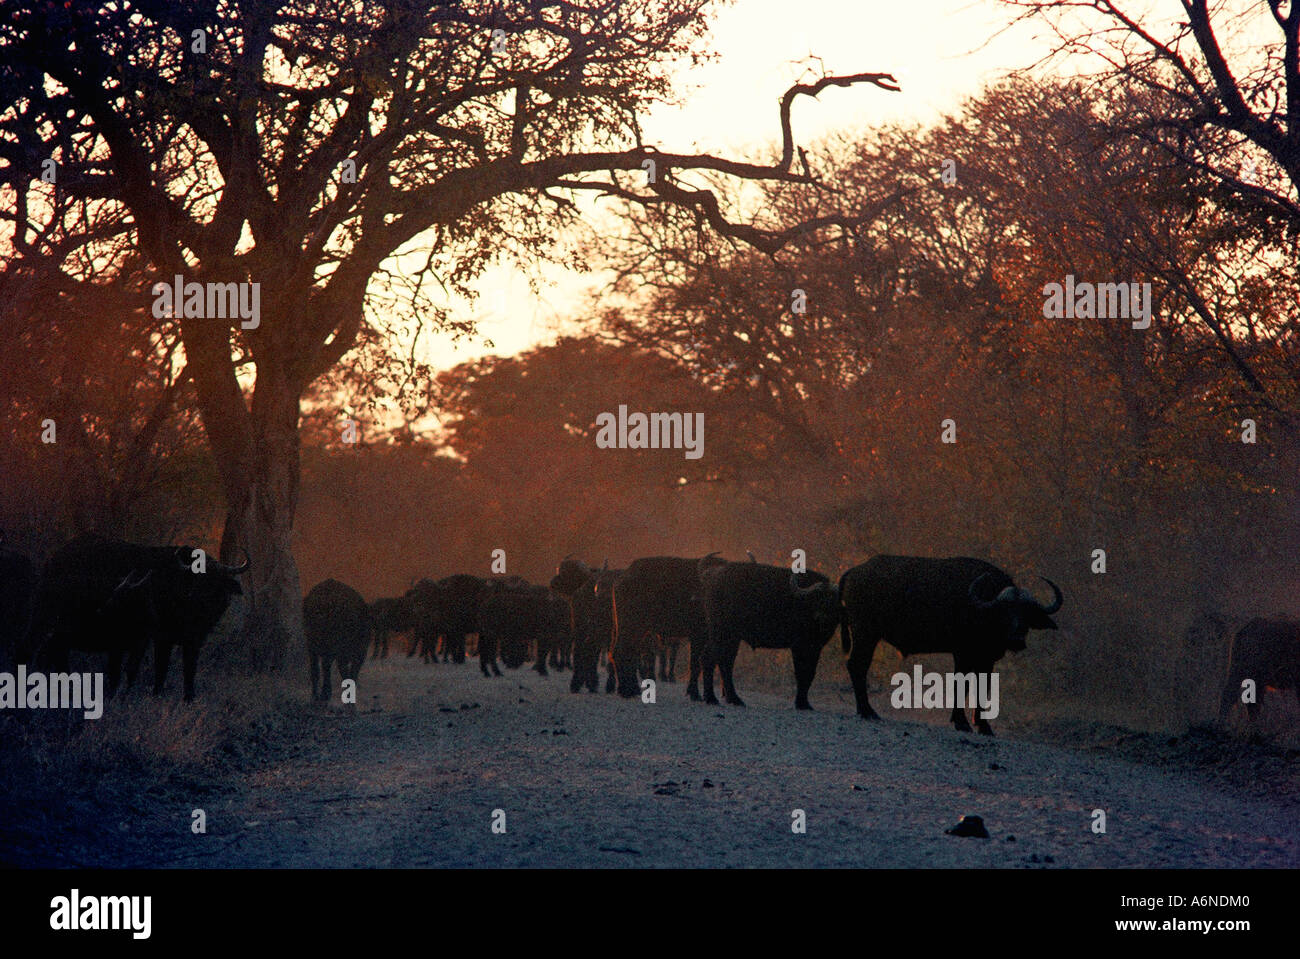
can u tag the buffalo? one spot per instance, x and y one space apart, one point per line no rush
101 595
515 614
447 608
1268 652
424 603
769 608
553 629
337 624
657 597
458 613
589 594
504 624
962 606
391 615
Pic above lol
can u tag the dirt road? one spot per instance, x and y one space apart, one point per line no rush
413 777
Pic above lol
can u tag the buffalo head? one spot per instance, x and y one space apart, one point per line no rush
1020 608
822 597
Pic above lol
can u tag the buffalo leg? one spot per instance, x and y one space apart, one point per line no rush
1229 699
487 653
579 669
545 650
672 662
626 655
980 669
327 676
861 651
706 670
959 719
726 662
693 686
315 675
585 665
805 669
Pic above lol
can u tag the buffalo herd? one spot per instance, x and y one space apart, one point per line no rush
104 596
636 618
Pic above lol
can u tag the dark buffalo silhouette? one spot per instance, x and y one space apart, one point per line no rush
589 594
769 608
515 615
1267 651
17 594
337 624
458 613
505 623
101 595
553 630
424 603
390 615
962 606
657 597
446 608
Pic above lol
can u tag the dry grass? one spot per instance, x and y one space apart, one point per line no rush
145 740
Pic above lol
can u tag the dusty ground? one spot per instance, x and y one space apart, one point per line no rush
412 777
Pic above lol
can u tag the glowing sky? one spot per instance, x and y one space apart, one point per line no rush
940 51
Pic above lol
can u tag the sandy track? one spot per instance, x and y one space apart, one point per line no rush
413 776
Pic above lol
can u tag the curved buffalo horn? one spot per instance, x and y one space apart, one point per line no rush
232 570
605 568
134 579
816 586
1056 604
182 554
567 556
1007 595
704 562
751 556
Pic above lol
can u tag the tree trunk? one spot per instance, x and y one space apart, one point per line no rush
262 500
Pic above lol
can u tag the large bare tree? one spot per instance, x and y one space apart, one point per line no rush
1223 83
346 157
1230 69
